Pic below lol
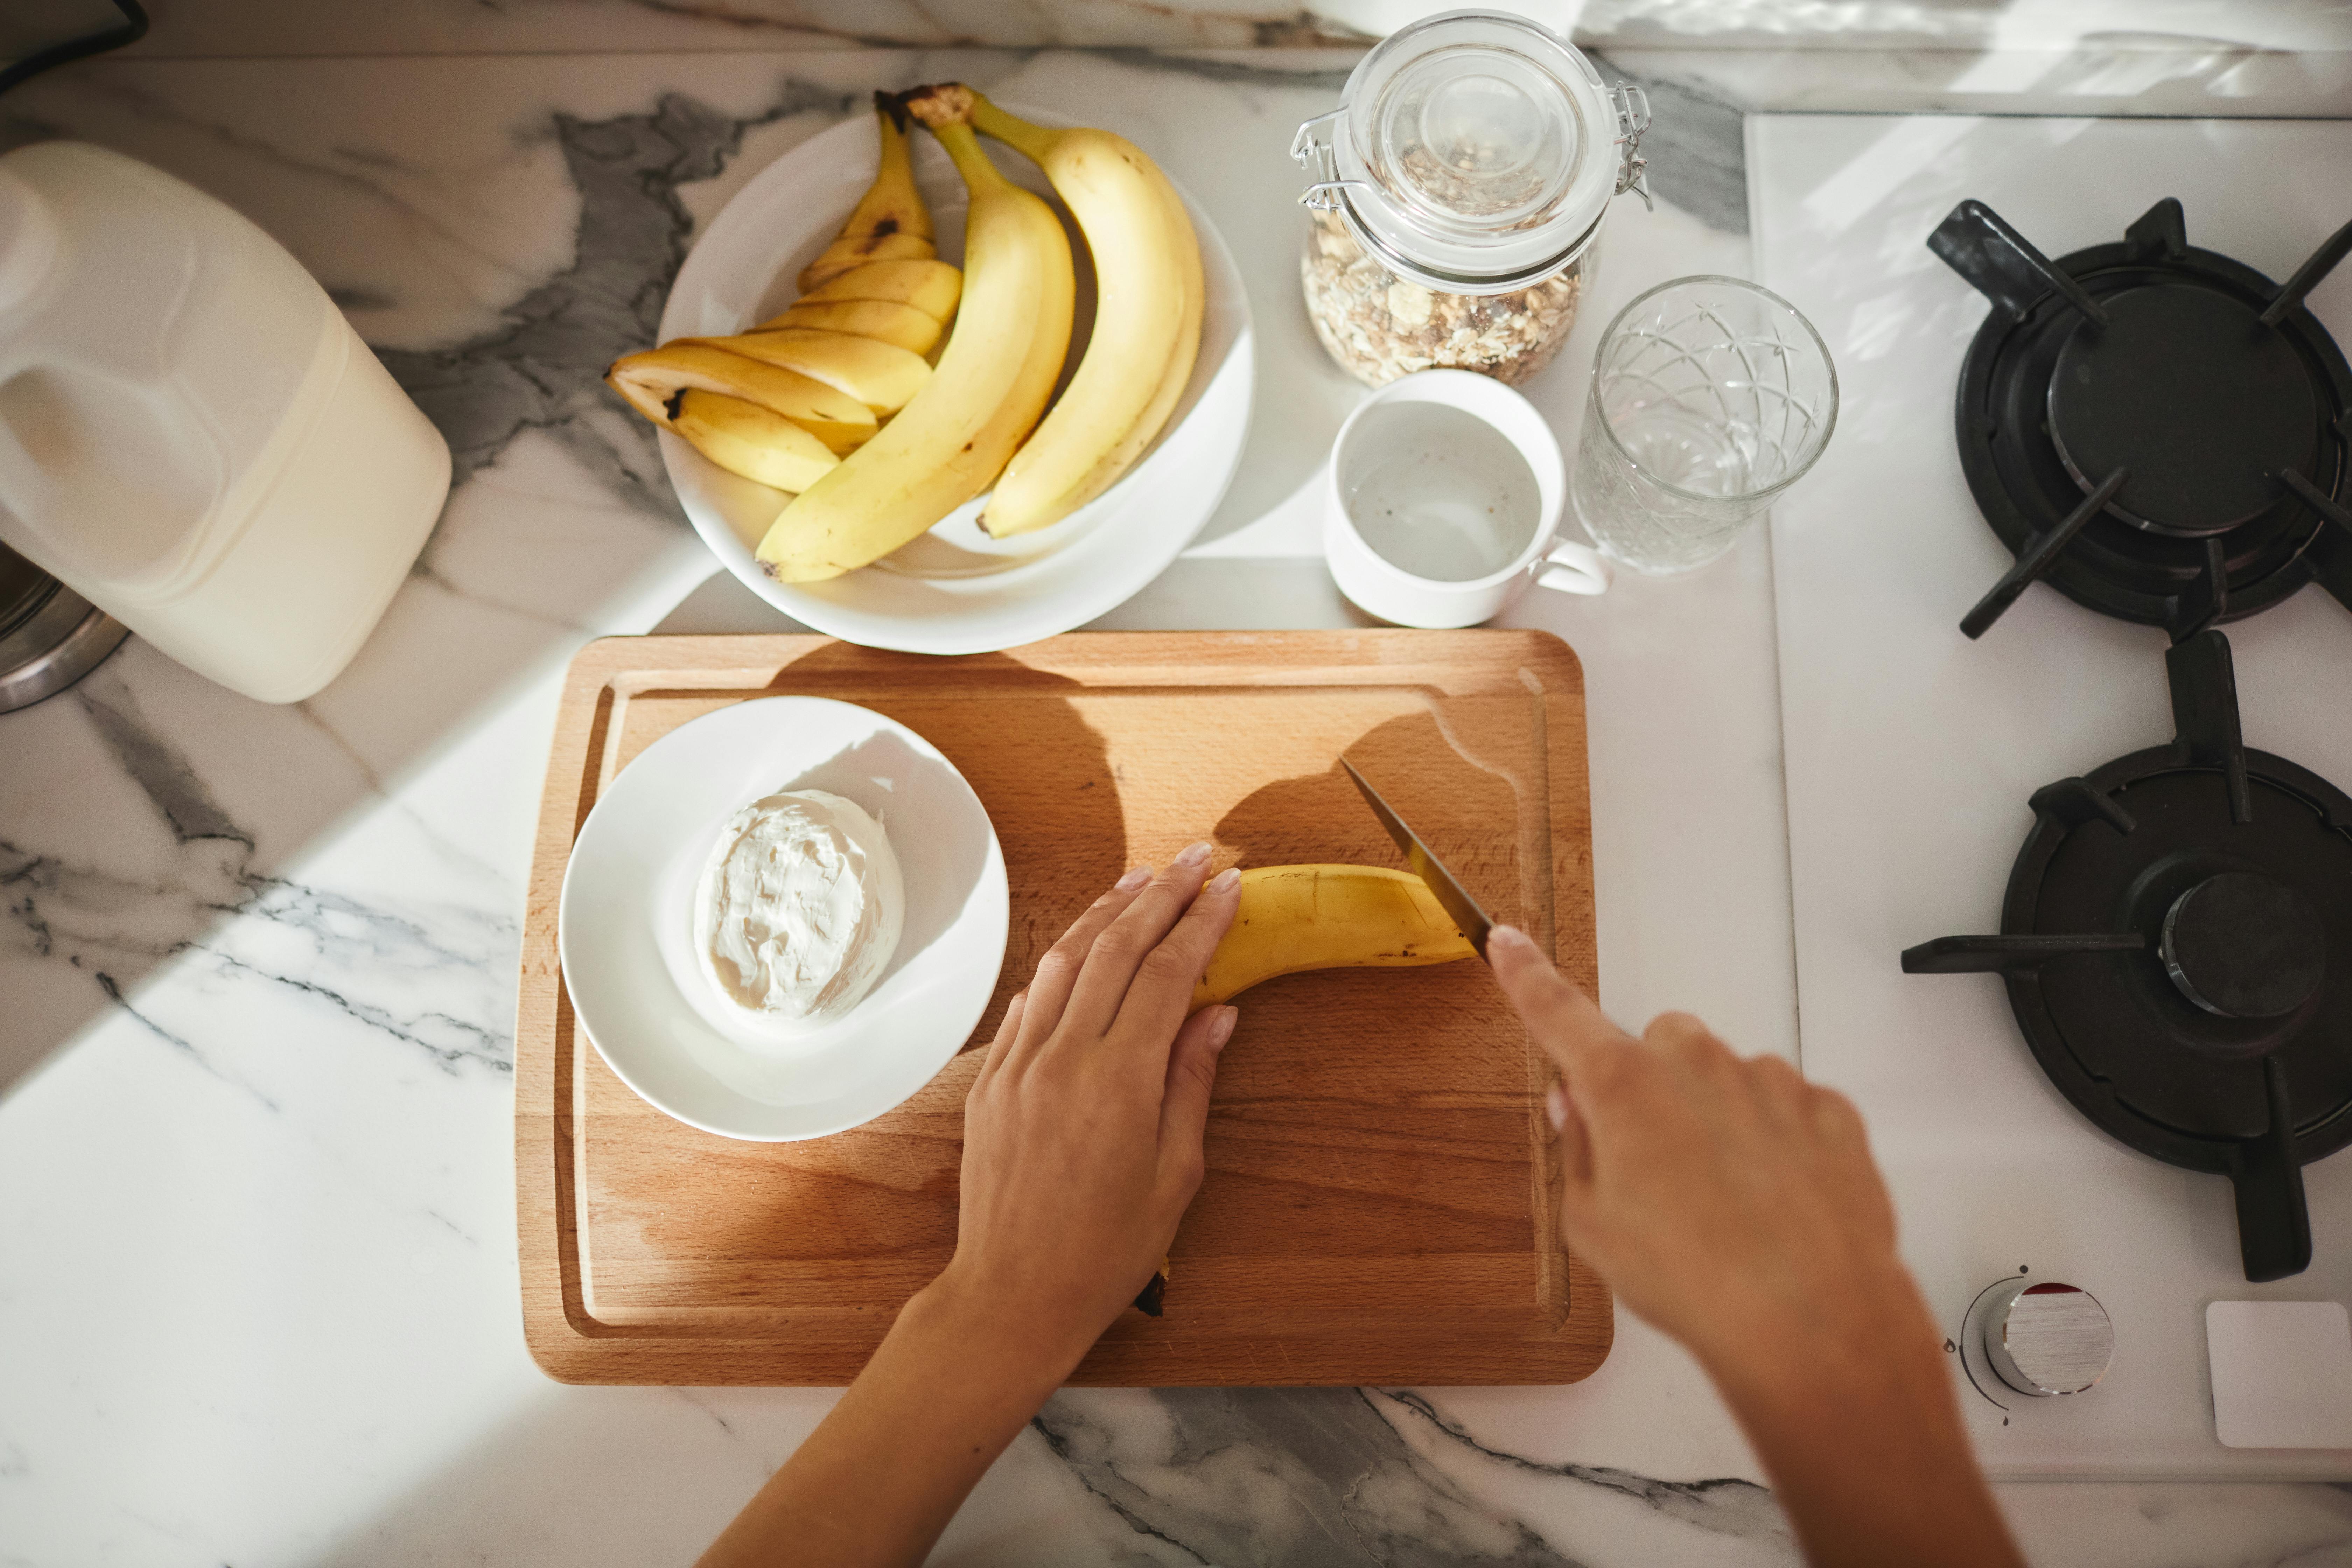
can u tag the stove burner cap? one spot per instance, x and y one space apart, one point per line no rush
2187 390
2243 946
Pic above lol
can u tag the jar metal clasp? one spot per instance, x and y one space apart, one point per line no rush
1632 107
1309 150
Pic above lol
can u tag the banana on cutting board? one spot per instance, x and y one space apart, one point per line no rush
1295 918
946 446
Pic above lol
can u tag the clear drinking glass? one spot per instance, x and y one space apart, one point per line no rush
1709 398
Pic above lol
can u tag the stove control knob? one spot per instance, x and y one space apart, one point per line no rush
2048 1339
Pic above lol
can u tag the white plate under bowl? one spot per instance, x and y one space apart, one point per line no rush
954 590
625 934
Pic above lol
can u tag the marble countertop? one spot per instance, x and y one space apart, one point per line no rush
258 1281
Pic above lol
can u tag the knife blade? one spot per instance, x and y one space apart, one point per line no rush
1451 895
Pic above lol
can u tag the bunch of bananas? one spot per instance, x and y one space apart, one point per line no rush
785 403
847 399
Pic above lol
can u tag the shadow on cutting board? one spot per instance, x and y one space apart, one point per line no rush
1039 768
1463 810
940 865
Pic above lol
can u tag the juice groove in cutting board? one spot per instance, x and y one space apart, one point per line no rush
1378 1207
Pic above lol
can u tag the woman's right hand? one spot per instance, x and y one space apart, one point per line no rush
1728 1201
1736 1206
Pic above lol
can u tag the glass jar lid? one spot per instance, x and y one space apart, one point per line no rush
1474 147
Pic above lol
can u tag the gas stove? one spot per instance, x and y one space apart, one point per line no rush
2161 434
2010 710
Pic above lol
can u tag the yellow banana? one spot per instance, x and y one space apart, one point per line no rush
747 439
842 257
650 381
1328 916
890 221
1149 299
931 287
886 321
993 381
881 375
836 392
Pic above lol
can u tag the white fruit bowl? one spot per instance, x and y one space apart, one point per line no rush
955 590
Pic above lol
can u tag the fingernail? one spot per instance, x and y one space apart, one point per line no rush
1221 1028
1135 879
1508 936
1194 856
1556 1107
1226 880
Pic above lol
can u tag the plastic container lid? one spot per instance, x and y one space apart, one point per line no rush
1474 152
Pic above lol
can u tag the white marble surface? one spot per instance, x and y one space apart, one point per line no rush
218 28
2102 75
257 1284
2000 56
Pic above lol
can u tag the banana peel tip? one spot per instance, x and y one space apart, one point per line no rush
939 103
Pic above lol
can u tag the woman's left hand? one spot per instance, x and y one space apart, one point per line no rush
1081 1148
1082 1134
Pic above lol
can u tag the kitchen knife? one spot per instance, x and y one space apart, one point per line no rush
1449 891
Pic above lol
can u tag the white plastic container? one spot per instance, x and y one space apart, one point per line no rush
192 437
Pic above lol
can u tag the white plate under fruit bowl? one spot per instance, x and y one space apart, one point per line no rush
954 590
625 930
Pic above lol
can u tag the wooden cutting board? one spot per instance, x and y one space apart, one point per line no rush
1378 1205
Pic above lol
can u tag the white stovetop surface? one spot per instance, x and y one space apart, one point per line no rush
1911 751
257 1288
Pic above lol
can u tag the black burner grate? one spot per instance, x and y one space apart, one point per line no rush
2166 940
2160 433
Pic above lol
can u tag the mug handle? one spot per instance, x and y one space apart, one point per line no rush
1570 568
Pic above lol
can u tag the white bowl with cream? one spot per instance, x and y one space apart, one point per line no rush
783 918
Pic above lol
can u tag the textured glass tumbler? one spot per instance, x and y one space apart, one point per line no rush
1709 398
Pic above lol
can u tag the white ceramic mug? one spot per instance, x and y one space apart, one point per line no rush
1424 506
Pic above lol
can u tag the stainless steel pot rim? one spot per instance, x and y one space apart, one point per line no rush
66 639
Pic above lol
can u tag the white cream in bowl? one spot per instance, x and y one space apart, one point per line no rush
799 907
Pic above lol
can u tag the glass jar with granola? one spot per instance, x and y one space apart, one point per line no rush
1460 189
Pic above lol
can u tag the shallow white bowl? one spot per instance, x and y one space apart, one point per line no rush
954 590
625 933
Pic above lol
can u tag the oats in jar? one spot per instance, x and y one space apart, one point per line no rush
1378 326
1458 192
